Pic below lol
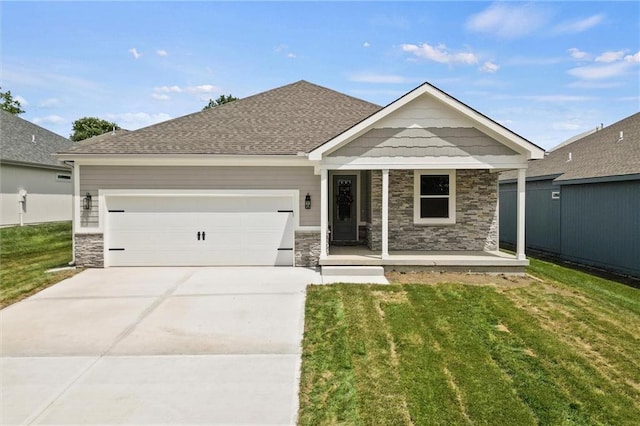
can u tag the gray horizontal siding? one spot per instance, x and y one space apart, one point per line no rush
593 224
601 225
34 180
94 178
508 208
420 142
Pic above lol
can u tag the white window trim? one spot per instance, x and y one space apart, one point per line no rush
416 198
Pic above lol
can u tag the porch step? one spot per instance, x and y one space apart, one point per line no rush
353 274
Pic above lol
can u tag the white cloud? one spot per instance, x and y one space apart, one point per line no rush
49 119
578 26
530 60
160 96
489 67
607 57
204 88
566 125
440 54
366 77
161 52
578 54
136 120
291 55
633 58
49 103
135 53
366 44
558 98
167 89
508 20
23 101
597 72
583 84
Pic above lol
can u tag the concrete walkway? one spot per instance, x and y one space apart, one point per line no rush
156 346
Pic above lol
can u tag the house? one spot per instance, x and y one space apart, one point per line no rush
301 175
35 187
583 200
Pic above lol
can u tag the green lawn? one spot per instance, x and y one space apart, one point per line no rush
26 253
563 348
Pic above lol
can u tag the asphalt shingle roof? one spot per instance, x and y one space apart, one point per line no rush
596 155
25 142
284 121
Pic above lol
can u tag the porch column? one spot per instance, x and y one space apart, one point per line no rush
324 212
385 213
521 218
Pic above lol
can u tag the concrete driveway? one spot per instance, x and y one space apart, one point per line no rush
156 346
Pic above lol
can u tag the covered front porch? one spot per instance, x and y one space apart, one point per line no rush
468 243
474 261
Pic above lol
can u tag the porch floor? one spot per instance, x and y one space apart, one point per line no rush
476 260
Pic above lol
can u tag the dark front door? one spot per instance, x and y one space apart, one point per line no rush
345 221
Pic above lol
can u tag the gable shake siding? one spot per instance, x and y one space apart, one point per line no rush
94 178
423 142
476 226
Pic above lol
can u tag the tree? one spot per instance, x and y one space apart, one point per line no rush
222 99
7 103
86 127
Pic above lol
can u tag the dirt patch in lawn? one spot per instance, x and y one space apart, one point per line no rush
432 278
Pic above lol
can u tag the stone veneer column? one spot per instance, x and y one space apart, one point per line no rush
89 250
307 252
374 229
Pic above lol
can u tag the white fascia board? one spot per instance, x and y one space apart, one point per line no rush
188 160
478 162
493 129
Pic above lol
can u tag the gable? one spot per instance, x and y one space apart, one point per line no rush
428 122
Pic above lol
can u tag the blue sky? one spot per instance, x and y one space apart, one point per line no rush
547 70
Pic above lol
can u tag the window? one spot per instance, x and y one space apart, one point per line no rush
63 177
434 197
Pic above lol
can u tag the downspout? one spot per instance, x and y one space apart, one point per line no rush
73 212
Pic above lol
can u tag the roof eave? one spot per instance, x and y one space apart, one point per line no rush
299 159
60 166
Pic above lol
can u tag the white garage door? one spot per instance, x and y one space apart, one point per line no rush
199 230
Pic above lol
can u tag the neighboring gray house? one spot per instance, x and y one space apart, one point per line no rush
35 186
301 175
583 200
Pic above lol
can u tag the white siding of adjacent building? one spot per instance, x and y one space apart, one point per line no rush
48 197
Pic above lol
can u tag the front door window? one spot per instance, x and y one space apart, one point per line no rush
344 213
344 199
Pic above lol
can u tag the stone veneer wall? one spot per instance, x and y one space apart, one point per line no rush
307 252
476 226
89 250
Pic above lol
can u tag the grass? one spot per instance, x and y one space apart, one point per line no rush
560 348
26 253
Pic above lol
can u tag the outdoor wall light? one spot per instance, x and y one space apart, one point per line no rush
307 201
86 202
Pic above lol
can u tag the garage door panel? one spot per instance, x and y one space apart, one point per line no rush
163 238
